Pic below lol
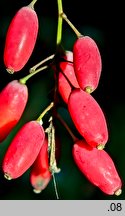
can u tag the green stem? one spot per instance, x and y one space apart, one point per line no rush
31 5
32 69
45 111
24 79
60 20
78 34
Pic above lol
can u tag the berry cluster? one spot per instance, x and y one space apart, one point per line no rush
76 74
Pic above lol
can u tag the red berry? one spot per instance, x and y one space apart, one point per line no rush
40 174
67 68
13 99
87 63
88 118
23 150
98 167
20 39
64 87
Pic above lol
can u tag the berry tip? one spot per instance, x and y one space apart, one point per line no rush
88 90
7 176
118 192
100 147
10 70
37 191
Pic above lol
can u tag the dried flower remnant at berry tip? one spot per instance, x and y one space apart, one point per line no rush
7 176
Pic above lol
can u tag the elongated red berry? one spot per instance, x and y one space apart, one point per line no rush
67 69
20 39
98 167
23 150
13 100
87 63
88 118
40 174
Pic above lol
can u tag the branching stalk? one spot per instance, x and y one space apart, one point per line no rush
78 34
24 79
32 69
45 111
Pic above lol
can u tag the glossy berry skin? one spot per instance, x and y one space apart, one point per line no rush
87 63
20 39
23 150
67 68
98 167
40 175
13 100
88 118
